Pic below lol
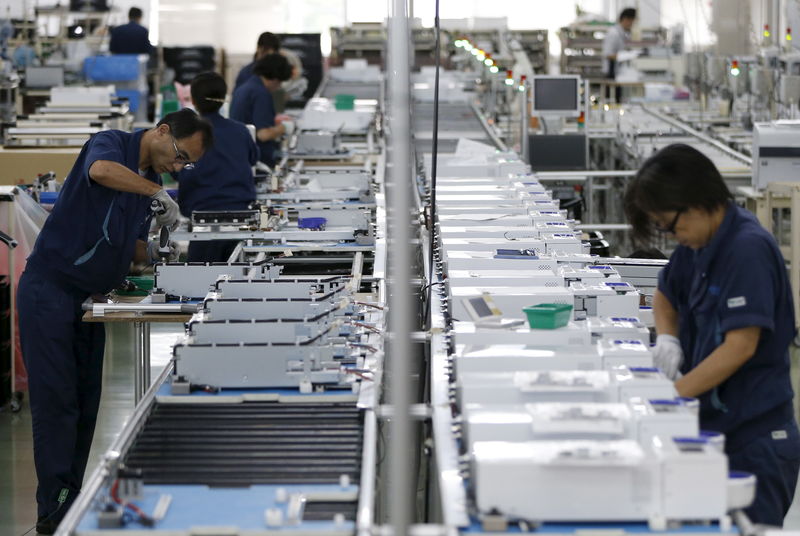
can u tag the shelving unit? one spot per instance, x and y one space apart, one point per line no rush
582 47
536 46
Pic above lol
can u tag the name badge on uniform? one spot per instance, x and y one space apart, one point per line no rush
739 301
779 434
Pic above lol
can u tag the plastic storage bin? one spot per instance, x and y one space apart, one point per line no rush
344 102
548 315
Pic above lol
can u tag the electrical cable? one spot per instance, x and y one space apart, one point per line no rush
62 498
435 153
144 519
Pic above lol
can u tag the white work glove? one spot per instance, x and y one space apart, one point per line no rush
668 355
289 127
155 255
168 212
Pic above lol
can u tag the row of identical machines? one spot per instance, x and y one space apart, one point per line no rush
568 430
264 421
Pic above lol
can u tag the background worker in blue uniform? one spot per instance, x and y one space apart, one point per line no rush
252 104
131 38
223 178
724 317
98 226
268 43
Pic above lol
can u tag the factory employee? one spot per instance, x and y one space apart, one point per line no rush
253 105
724 317
223 178
97 227
614 42
268 43
131 38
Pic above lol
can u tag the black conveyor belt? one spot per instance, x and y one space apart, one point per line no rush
249 443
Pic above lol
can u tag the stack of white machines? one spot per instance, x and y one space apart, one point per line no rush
572 424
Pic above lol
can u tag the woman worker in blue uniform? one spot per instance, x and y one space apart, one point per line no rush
724 317
223 178
253 105
97 227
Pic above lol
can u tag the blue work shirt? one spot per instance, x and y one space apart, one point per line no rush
223 177
89 239
738 280
130 38
244 75
252 104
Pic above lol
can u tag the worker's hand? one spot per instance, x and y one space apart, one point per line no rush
288 128
168 212
668 355
155 254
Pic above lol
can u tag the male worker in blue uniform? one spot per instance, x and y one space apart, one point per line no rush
131 38
268 43
223 179
97 227
252 104
725 319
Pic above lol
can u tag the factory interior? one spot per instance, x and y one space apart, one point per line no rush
399 267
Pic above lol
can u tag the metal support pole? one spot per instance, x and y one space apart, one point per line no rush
137 363
400 293
145 357
526 121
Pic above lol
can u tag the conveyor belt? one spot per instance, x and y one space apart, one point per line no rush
360 90
250 443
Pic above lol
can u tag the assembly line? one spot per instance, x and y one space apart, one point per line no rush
416 279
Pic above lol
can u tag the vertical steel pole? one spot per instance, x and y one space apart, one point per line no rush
526 121
400 254
137 363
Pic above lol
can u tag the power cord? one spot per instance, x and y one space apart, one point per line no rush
62 498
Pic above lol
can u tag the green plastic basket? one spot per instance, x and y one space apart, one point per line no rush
344 102
548 315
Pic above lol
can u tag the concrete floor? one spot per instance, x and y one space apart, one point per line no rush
17 474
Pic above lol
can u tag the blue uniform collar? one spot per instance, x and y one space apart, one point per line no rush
255 81
705 255
212 116
134 151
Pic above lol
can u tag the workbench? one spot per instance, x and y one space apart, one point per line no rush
141 336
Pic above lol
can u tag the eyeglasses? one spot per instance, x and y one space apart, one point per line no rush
181 158
671 227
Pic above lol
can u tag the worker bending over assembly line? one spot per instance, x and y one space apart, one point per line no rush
724 317
268 43
99 225
253 105
223 178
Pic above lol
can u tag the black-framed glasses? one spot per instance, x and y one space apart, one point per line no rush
671 227
180 157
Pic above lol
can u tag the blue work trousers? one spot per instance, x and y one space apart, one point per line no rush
64 359
774 458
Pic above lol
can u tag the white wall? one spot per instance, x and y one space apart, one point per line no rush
236 24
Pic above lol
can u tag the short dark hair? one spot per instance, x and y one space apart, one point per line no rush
269 41
627 13
273 67
134 13
676 178
185 123
208 92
